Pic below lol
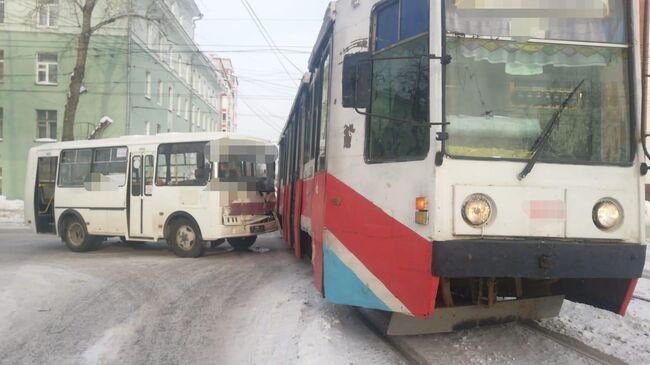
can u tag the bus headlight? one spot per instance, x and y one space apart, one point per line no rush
477 210
607 214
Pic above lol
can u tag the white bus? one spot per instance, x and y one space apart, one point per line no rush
189 189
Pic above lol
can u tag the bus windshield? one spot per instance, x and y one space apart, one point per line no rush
515 65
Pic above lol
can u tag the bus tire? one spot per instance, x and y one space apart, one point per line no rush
242 243
185 240
76 237
217 243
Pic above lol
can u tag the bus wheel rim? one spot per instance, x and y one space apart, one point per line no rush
185 238
76 234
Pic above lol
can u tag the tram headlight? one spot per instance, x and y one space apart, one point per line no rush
477 210
607 214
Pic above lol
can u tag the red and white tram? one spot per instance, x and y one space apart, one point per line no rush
466 160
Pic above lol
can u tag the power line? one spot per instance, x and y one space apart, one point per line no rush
267 37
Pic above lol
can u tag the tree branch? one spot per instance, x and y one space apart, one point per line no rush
111 20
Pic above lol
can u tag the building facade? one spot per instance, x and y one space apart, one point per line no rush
144 75
229 97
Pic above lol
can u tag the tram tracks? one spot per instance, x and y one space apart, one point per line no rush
574 344
641 298
412 357
406 352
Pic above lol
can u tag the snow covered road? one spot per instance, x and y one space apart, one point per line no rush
121 305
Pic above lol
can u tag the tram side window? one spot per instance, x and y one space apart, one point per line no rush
398 129
307 125
111 164
182 164
75 168
324 113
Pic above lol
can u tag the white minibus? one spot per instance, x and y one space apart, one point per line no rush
191 189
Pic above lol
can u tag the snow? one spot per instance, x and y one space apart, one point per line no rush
11 211
627 338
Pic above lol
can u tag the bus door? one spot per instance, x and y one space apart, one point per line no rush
44 194
140 196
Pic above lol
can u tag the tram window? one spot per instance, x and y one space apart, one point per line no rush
400 84
324 113
400 92
181 164
75 168
400 20
387 24
307 124
415 18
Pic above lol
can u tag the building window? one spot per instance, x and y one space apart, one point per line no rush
2 11
48 13
161 44
170 50
160 92
147 85
179 104
147 128
2 64
158 128
47 68
2 119
180 65
151 36
187 109
46 124
171 99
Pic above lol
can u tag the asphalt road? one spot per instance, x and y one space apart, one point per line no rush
121 305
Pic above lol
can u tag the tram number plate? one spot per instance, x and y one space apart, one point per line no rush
257 229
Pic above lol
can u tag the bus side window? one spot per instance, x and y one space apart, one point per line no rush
136 176
148 174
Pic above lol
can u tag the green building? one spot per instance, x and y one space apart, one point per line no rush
144 75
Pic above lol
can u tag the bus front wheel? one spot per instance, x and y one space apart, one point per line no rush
185 239
76 236
242 243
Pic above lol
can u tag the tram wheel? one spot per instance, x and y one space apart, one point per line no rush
76 237
185 239
242 243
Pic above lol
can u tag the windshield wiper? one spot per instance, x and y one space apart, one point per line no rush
542 141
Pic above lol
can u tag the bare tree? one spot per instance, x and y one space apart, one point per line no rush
87 30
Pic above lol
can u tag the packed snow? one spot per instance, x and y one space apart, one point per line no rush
11 211
627 338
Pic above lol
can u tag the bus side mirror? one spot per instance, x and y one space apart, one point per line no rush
357 78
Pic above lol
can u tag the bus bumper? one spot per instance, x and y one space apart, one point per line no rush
537 259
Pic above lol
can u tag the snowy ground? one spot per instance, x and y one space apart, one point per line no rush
120 305
11 211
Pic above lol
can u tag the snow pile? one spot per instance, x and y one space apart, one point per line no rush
11 211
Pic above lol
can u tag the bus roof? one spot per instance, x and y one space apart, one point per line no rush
154 139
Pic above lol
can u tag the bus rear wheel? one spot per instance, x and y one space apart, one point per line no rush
242 243
185 239
76 236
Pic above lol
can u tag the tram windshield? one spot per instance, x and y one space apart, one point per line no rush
514 66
